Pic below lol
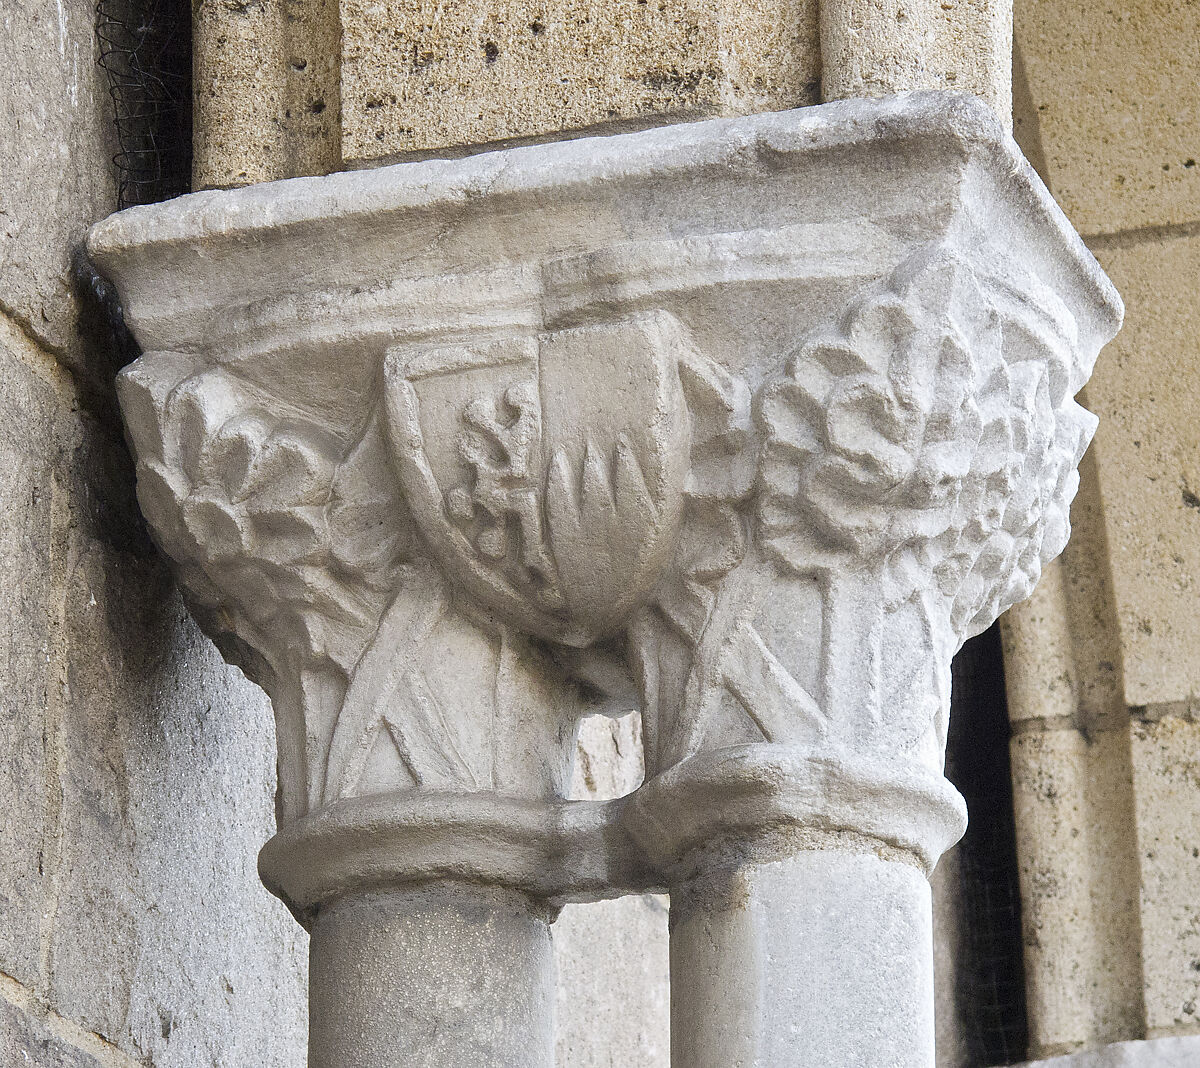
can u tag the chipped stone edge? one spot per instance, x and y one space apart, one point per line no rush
202 227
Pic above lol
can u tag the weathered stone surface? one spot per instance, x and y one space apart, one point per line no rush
184 489
137 788
876 47
266 90
29 425
442 974
26 1043
417 76
1166 787
1062 647
1116 89
162 941
612 423
1107 111
1077 862
1148 455
55 165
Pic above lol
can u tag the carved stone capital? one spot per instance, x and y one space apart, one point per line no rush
747 423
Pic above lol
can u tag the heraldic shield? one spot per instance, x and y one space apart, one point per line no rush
555 496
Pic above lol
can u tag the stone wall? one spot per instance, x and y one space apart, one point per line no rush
1102 663
136 772
292 87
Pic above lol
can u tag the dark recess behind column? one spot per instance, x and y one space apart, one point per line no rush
991 979
146 52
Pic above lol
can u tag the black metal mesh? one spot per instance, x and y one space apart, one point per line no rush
146 52
991 979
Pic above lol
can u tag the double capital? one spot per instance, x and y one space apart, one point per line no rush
746 425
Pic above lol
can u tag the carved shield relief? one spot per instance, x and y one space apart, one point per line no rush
547 473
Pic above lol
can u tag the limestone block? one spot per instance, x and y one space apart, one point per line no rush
1077 862
266 90
25 1042
56 173
1062 647
613 972
876 47
1039 669
1166 785
1147 393
418 76
161 938
29 427
1117 94
613 984
136 785
238 93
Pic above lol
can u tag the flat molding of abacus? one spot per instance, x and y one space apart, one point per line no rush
746 424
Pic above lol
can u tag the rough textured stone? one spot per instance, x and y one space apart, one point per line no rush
1116 88
26 1043
1062 647
266 90
1073 797
1077 861
163 941
55 165
876 47
443 974
452 453
29 416
134 783
1107 111
417 77
1148 456
137 788
1166 787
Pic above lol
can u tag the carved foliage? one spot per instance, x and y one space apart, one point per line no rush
773 559
299 557
929 437
916 463
278 534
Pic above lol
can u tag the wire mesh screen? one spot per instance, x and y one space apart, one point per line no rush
146 53
991 980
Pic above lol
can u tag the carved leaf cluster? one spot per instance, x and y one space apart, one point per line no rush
282 549
929 434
